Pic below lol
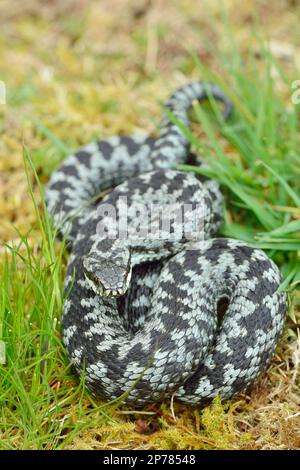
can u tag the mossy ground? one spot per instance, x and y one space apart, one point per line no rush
80 70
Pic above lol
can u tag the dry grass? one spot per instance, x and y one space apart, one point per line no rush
91 69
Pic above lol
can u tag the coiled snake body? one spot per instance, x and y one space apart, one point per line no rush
142 314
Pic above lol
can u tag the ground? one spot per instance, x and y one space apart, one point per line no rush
79 70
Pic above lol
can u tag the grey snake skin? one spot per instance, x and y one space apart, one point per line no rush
143 318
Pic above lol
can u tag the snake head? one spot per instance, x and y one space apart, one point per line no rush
108 276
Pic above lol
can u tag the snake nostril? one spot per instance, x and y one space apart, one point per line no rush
222 306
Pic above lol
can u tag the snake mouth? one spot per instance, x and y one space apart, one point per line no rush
100 290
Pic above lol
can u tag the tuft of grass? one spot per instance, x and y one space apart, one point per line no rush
37 389
257 165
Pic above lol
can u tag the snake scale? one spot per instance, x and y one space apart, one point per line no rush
155 317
